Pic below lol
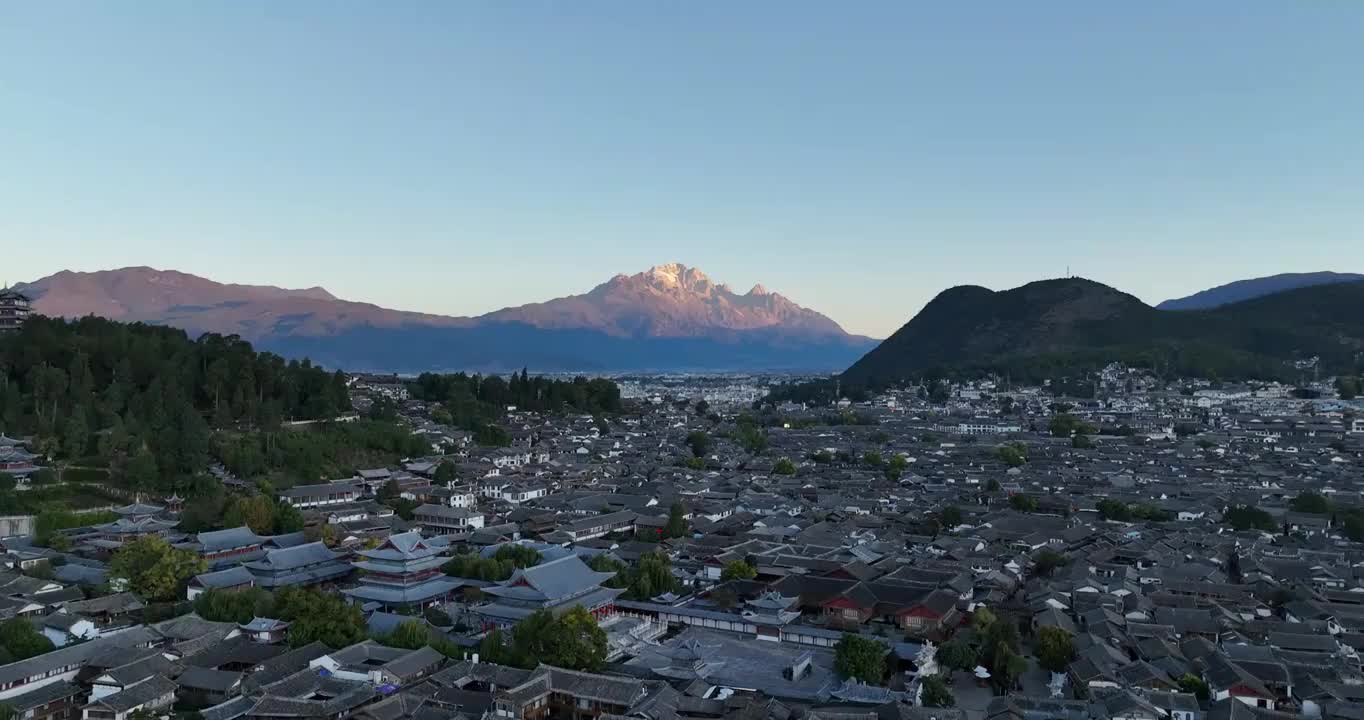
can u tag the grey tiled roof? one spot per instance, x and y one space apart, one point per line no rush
237 650
197 678
281 666
414 662
44 695
80 574
138 695
219 540
231 577
555 579
295 557
76 654
188 627
118 603
137 671
230 710
434 587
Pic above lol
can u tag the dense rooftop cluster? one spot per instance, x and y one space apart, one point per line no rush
1161 550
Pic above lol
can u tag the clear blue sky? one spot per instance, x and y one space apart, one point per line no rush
860 157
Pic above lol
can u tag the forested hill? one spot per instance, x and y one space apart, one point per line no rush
1059 327
145 400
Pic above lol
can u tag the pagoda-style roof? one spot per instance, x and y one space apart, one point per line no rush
771 607
551 582
403 547
292 558
141 526
394 595
139 509
407 566
772 601
229 539
689 660
298 565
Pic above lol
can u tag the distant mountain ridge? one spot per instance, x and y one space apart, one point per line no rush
670 317
1234 292
670 300
1058 326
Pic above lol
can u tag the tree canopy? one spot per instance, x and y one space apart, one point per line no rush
315 616
500 566
153 568
1310 502
649 577
572 640
1013 454
143 400
699 442
1119 511
861 658
20 640
1055 649
737 570
1249 517
478 402
236 606
937 693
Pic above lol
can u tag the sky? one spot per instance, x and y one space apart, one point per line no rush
859 158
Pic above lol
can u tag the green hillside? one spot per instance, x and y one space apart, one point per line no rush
1056 327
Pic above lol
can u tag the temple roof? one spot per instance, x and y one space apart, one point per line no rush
294 557
403 546
219 540
139 509
557 579
124 526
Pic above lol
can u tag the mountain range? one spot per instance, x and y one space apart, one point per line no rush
671 317
1056 327
1253 288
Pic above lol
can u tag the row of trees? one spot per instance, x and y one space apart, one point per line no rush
415 634
648 578
477 402
572 640
500 566
313 616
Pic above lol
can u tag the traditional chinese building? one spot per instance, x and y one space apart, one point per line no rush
557 586
301 565
233 546
14 459
14 309
405 571
770 612
135 521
